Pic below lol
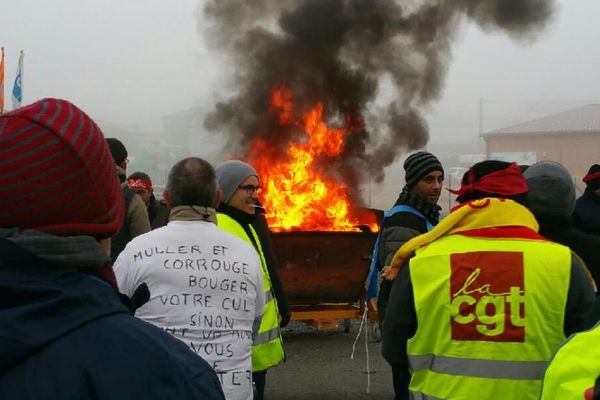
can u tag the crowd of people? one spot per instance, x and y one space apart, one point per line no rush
109 293
480 303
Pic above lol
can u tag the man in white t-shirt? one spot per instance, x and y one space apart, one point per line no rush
205 284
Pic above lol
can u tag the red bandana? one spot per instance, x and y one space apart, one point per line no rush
506 182
591 177
139 184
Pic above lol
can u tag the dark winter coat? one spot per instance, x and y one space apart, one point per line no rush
158 212
586 217
259 223
135 222
66 335
264 235
397 230
586 246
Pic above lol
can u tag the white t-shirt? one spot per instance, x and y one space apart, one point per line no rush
206 289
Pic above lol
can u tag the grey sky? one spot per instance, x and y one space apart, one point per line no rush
135 60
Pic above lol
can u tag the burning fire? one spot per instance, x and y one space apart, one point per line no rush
297 190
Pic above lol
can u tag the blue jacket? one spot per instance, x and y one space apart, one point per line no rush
67 335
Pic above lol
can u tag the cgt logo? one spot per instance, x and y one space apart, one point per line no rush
487 296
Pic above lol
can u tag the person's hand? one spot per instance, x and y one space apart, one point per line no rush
373 304
389 273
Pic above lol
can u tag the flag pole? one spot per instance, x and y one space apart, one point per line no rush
2 82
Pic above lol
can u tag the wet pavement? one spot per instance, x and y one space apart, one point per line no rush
319 366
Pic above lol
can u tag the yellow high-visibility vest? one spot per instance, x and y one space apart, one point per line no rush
267 349
574 367
490 315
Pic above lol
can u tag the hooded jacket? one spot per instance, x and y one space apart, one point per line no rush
551 199
587 213
67 335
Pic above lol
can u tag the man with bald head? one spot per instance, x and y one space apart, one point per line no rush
205 284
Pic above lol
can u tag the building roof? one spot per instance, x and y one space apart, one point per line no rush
584 119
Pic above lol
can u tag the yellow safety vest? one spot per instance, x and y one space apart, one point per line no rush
267 350
574 368
490 315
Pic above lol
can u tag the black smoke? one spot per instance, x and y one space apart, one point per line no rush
341 52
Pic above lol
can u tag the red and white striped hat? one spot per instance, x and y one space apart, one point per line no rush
56 172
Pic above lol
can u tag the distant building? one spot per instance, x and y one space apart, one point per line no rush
570 137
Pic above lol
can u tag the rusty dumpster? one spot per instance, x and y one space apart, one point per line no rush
324 273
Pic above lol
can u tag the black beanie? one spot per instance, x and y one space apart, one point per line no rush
418 165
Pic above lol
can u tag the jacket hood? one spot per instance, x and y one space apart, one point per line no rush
40 303
551 189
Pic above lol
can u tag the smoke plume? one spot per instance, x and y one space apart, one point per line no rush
374 64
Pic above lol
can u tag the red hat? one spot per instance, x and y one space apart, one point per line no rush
56 172
592 179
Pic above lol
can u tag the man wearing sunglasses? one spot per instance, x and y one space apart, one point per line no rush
237 215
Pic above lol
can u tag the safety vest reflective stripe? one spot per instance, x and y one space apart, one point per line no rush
497 369
267 349
574 367
422 396
267 336
482 334
268 296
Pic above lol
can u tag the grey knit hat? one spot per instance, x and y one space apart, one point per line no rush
551 189
230 174
418 165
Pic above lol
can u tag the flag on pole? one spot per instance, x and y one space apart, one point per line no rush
2 83
17 92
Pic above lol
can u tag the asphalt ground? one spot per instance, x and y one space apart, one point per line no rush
319 366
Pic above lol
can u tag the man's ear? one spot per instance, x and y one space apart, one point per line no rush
167 199
218 198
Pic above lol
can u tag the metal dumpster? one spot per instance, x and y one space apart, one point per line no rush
324 273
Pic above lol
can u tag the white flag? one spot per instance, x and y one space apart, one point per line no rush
17 92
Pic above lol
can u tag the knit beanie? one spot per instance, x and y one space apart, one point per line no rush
492 178
592 179
551 189
231 174
418 165
56 172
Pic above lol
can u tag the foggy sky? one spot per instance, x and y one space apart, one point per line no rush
133 61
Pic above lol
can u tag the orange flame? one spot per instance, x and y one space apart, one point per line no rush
298 193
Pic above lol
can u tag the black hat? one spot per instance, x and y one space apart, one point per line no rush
418 165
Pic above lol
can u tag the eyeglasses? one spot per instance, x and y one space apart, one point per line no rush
250 188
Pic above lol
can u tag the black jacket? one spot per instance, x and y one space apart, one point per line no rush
259 223
586 216
586 246
158 213
66 335
264 235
